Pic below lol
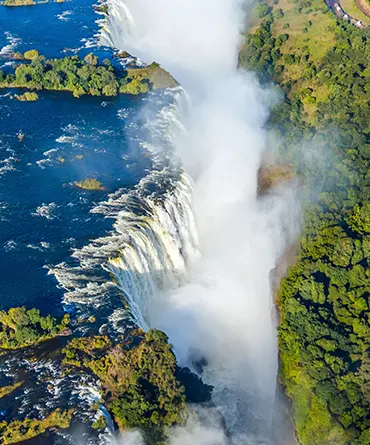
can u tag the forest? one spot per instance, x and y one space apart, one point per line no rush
322 126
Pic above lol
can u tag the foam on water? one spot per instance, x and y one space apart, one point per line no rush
64 16
46 210
7 165
13 42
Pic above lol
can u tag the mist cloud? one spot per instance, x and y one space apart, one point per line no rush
192 433
224 313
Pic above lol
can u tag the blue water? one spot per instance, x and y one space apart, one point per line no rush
43 215
43 26
42 172
65 140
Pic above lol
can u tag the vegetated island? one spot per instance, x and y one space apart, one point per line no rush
89 184
20 328
18 431
81 76
142 386
322 128
28 96
6 390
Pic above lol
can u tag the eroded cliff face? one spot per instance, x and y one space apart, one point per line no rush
272 175
158 77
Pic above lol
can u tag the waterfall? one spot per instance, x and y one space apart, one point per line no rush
159 241
154 238
153 242
193 245
118 24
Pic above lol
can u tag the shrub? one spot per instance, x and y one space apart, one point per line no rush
31 54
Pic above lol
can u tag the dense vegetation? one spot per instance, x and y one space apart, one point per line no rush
19 431
20 327
139 378
73 74
323 127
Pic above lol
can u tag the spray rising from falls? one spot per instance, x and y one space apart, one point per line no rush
223 314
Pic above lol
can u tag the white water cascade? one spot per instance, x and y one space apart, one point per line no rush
215 306
119 22
158 247
153 243
223 313
154 238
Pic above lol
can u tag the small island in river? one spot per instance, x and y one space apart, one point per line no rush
89 184
28 2
81 76
20 327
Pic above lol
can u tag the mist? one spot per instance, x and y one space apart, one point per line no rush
223 315
206 433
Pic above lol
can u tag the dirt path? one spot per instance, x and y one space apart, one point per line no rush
335 6
364 7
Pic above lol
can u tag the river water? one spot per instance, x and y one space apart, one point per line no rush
44 218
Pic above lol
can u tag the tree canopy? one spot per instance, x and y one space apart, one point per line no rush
20 327
142 386
323 128
73 74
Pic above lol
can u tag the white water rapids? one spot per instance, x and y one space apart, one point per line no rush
194 246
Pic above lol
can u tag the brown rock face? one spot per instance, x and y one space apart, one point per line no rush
270 176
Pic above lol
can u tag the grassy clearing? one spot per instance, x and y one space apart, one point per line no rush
309 26
312 30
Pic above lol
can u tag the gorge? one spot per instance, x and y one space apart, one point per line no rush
212 296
